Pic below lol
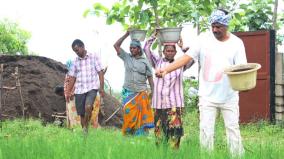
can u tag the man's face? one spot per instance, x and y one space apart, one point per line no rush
79 50
134 50
169 52
219 30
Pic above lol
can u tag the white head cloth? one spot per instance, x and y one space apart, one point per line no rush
219 16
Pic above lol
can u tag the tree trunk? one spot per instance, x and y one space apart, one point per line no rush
274 25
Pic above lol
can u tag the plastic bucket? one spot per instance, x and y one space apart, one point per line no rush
138 35
243 77
169 35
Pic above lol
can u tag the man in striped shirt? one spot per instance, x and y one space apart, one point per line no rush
87 75
167 99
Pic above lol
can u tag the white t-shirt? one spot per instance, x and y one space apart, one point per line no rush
214 56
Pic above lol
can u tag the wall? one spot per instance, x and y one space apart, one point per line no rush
279 88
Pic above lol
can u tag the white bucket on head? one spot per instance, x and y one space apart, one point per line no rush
169 35
243 77
138 34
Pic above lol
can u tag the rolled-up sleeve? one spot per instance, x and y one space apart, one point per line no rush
122 54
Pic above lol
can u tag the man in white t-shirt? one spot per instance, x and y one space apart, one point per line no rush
215 51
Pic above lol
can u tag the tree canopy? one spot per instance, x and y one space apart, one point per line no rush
13 39
247 15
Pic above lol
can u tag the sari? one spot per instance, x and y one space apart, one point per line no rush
73 119
137 113
168 126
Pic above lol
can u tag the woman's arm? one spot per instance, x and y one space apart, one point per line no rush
151 83
118 43
149 54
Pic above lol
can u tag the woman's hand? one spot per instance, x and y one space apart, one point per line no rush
160 73
180 44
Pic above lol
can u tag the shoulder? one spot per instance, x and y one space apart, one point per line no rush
91 54
235 38
205 35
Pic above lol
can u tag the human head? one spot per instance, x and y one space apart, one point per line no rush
59 90
79 48
135 48
169 51
219 21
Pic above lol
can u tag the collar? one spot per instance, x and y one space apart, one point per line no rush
139 57
86 56
166 60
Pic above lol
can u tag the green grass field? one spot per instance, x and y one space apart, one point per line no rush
31 140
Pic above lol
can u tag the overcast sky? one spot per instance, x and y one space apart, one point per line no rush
54 24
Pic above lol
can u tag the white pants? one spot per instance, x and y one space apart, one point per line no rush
230 113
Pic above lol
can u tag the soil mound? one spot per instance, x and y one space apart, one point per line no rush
38 77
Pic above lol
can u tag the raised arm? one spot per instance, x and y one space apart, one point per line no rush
149 54
118 43
184 50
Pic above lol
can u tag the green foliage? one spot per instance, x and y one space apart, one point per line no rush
13 39
30 139
248 15
148 14
256 15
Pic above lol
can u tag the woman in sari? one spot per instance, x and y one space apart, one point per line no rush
137 112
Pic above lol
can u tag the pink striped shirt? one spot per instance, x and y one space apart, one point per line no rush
168 91
86 72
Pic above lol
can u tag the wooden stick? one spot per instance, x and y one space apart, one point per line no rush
1 78
18 85
8 116
112 114
9 88
58 116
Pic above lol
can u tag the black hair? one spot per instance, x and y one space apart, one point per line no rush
225 11
77 42
168 46
59 89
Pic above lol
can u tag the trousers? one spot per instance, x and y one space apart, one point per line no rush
230 113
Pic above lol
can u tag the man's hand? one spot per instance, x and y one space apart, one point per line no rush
102 92
68 97
160 73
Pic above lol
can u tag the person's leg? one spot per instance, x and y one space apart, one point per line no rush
158 126
174 125
80 107
208 113
90 98
230 112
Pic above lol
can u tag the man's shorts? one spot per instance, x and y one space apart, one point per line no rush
83 100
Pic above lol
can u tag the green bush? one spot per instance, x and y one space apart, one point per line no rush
13 39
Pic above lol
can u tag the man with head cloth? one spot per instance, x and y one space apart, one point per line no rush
215 51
